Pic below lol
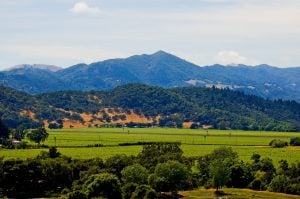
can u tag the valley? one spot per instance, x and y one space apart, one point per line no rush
90 143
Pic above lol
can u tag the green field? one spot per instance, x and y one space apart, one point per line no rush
78 143
232 193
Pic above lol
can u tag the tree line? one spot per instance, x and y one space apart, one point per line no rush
159 171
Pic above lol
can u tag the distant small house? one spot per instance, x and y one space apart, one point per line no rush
16 142
207 126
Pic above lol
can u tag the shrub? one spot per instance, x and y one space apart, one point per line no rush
295 141
128 189
279 184
144 192
77 195
276 143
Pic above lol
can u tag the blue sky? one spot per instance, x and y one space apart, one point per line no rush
67 32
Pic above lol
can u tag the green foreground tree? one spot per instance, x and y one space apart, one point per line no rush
38 135
19 133
219 173
135 174
103 185
169 177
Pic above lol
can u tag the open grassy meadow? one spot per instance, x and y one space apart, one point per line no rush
79 143
232 193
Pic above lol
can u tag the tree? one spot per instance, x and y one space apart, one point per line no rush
276 143
57 173
240 175
19 133
295 141
135 174
144 192
268 167
219 173
4 132
256 162
38 135
128 189
169 177
255 157
21 179
117 163
260 180
53 153
279 183
222 153
283 167
77 195
103 185
159 152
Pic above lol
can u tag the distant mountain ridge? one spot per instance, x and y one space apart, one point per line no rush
158 69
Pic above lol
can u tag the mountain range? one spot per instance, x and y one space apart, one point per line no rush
158 69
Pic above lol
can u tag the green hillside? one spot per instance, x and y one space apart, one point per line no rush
217 108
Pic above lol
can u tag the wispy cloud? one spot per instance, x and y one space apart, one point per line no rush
83 8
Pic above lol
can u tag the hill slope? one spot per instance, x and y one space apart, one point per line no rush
159 69
139 103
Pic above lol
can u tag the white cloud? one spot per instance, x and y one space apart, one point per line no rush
231 58
82 7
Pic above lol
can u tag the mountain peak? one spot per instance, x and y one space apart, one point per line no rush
161 53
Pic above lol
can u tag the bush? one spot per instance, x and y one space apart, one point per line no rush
144 192
293 189
128 189
22 145
276 143
279 184
77 195
295 141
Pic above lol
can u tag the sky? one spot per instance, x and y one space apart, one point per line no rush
205 32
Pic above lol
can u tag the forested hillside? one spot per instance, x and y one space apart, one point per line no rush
137 104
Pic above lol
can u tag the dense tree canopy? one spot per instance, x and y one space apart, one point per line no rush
51 176
170 176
